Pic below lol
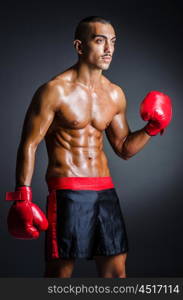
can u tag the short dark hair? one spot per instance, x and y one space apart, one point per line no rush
82 28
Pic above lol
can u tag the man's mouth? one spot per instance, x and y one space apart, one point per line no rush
107 58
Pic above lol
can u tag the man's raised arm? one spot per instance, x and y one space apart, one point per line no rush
155 108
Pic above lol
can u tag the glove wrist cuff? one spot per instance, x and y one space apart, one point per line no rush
23 188
22 193
150 130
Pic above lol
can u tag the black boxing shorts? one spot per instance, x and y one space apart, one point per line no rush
85 218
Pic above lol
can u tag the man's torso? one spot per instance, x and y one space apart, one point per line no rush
75 138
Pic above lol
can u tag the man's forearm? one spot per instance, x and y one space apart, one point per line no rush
134 142
25 164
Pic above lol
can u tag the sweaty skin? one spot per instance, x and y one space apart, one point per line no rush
74 139
72 118
71 112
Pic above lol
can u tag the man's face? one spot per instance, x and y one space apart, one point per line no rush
99 46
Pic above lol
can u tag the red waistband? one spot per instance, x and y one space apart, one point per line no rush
80 183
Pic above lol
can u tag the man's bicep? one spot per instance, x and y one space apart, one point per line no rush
118 129
39 117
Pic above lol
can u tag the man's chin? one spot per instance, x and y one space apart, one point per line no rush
104 66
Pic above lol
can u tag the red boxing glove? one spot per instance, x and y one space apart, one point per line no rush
25 219
157 109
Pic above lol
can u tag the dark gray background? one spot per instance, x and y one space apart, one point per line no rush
36 44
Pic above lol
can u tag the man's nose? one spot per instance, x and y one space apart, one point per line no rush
108 48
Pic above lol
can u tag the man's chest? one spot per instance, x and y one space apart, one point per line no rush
81 109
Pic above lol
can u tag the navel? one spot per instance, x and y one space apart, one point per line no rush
75 123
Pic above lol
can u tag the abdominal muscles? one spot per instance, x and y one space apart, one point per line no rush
76 153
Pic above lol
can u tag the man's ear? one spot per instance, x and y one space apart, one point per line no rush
78 46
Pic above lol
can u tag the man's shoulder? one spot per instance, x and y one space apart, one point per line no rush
49 93
52 92
117 95
114 88
117 90
47 90
55 86
57 81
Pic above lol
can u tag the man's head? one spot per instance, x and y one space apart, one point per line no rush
94 42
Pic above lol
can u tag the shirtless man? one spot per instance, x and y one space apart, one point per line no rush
71 112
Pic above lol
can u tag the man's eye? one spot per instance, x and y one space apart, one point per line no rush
99 40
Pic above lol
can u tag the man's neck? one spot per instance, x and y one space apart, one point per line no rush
87 75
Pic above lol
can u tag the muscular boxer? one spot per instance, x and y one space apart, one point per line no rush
71 112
